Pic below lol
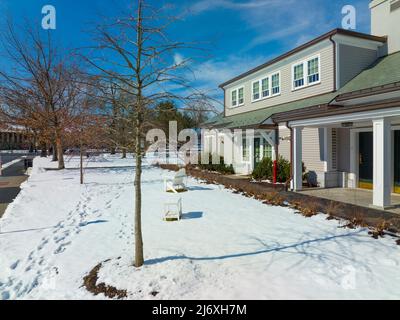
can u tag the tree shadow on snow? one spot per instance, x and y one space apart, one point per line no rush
300 248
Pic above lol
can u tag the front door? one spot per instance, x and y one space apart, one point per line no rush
397 161
366 160
257 151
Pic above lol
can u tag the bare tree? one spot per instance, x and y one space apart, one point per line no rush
39 91
135 55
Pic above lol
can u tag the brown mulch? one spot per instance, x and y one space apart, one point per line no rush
90 283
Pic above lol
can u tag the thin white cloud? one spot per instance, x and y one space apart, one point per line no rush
206 5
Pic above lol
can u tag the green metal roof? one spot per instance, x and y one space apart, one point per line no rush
257 117
384 71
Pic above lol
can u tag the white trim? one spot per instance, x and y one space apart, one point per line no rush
359 116
280 83
356 42
259 80
237 97
305 72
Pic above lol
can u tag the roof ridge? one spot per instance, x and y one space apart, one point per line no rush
304 46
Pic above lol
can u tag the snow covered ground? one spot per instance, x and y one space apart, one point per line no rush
226 247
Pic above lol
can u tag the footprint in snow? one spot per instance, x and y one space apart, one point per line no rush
62 248
15 265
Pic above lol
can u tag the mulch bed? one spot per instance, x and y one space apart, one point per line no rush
90 283
262 191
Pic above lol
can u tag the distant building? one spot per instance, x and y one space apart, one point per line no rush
13 139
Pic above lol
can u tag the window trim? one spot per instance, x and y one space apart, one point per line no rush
280 84
259 90
302 63
305 72
270 94
236 89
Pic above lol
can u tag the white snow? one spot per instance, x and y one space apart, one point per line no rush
226 247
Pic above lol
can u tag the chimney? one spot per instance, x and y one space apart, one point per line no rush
385 19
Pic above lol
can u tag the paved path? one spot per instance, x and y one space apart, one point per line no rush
10 180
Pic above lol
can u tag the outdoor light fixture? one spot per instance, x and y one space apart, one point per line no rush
347 124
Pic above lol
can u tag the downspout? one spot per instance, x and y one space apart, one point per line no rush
334 63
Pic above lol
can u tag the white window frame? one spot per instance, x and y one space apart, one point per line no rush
238 104
305 72
280 84
294 88
252 90
269 79
319 70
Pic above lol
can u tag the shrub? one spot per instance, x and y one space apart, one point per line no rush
221 167
283 170
263 171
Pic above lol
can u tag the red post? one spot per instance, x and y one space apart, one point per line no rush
275 173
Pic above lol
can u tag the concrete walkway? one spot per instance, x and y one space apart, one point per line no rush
10 182
358 197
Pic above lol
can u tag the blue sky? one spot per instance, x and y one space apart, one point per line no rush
239 34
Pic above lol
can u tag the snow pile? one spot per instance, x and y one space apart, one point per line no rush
226 246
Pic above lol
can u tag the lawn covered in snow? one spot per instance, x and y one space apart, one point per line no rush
226 247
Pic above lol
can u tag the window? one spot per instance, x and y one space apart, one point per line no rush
267 149
298 78
275 84
313 70
306 73
265 87
245 150
237 97
256 90
241 96
234 98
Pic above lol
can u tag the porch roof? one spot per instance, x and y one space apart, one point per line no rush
256 118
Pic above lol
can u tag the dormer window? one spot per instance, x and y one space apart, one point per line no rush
306 73
313 70
276 83
237 97
298 76
256 90
234 98
265 87
241 96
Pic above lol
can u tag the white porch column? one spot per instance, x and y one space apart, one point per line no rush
297 159
382 147
354 160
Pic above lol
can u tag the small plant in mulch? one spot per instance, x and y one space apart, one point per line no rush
90 283
379 230
305 208
274 199
356 221
154 293
331 210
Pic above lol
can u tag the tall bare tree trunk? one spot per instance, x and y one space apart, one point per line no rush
81 162
43 151
139 260
113 151
54 150
60 153
123 153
